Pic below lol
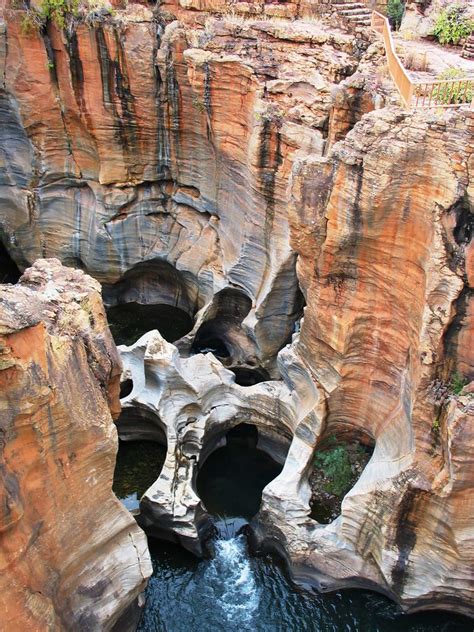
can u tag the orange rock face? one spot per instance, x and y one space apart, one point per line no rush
122 130
71 557
267 159
382 238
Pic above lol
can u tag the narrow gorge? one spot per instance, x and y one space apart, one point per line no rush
236 325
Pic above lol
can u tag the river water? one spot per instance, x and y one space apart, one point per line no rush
237 592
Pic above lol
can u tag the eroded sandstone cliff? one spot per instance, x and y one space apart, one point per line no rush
238 169
71 557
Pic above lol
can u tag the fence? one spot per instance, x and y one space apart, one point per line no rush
425 94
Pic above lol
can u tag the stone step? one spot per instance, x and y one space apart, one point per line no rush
359 16
348 12
361 21
347 5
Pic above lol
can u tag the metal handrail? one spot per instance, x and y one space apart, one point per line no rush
427 96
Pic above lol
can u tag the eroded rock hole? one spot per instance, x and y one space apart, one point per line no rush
248 377
338 463
140 424
138 465
141 454
208 341
126 387
152 295
130 321
231 480
222 332
9 271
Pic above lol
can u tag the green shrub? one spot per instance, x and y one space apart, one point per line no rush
31 22
55 10
336 466
452 25
457 383
395 11
58 10
453 93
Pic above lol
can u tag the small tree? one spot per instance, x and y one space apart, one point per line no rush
452 25
336 466
395 11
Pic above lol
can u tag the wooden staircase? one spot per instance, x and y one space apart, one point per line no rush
468 48
355 13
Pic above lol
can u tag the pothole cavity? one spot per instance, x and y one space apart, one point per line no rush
141 453
138 465
222 332
338 463
152 295
231 479
235 591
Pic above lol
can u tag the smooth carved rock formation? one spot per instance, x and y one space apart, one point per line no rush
384 263
239 169
71 557
126 143
383 269
190 404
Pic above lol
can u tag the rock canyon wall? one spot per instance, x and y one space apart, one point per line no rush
242 170
72 558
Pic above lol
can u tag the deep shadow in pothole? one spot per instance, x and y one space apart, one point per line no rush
126 387
9 271
141 453
151 295
130 321
222 332
245 376
138 465
231 480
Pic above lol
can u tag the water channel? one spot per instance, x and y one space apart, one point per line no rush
238 592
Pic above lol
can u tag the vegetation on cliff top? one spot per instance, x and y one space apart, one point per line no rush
395 11
452 25
60 12
454 92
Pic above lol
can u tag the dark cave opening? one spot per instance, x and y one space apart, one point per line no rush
136 424
138 465
464 227
141 453
130 321
207 340
231 479
222 332
9 271
126 387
